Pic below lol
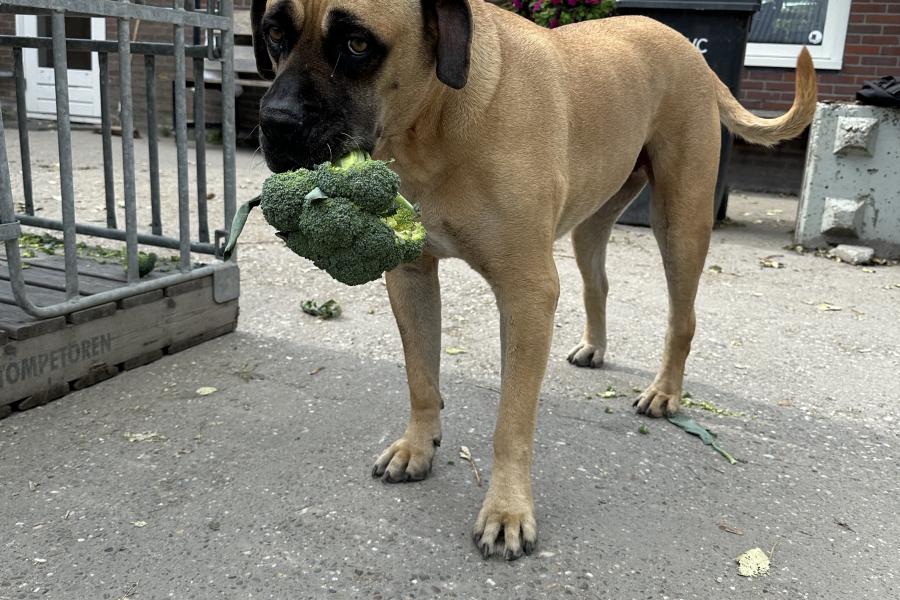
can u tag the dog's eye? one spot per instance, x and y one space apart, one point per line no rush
275 35
358 46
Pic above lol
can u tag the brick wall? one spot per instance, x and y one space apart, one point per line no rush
872 51
7 85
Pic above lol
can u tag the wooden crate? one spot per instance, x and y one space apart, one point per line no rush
42 360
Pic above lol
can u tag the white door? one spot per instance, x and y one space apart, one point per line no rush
83 72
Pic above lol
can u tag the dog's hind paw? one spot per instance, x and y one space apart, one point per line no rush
504 530
656 403
587 355
406 460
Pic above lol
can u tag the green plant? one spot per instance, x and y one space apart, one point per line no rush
556 13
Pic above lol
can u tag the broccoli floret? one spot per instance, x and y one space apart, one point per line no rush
283 196
409 233
369 183
370 255
330 224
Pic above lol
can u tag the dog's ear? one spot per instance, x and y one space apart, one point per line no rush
452 20
263 62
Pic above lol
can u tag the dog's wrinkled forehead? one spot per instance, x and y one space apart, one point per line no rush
381 17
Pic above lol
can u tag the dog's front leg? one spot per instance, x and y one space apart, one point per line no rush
416 301
527 298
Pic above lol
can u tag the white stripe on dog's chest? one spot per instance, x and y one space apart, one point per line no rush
441 244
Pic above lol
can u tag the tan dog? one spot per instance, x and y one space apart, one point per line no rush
509 136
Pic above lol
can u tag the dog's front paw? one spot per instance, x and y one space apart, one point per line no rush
655 402
505 527
407 459
587 355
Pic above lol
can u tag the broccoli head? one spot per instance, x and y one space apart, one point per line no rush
283 195
369 183
348 218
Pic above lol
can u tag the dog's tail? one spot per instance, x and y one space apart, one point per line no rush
768 132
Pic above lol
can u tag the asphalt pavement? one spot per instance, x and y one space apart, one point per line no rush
142 487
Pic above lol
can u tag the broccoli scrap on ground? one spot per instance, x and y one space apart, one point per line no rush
347 217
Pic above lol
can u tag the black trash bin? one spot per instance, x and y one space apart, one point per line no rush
719 29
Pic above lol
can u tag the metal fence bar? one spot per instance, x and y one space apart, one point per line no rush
153 145
184 224
121 9
154 48
127 119
22 116
64 135
229 130
117 234
8 216
200 149
46 312
106 133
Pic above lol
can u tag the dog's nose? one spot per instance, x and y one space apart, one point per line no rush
280 123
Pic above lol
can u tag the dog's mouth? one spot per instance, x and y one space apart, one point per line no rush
308 149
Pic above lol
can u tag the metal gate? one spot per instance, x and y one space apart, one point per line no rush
212 39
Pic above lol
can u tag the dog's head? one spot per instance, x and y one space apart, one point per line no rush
344 69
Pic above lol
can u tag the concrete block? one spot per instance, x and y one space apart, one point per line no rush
840 216
851 184
855 134
855 255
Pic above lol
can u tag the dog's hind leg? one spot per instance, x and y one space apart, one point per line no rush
684 179
589 239
415 296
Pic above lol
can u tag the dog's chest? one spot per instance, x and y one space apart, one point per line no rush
442 242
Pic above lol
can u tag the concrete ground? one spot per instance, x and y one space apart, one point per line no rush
142 488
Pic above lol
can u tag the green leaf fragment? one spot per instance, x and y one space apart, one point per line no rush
237 225
610 392
316 194
708 437
326 310
752 563
455 351
643 429
709 407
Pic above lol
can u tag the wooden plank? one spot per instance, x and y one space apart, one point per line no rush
40 296
99 268
69 354
53 392
111 271
139 299
52 279
143 359
89 314
212 334
19 325
95 375
188 286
